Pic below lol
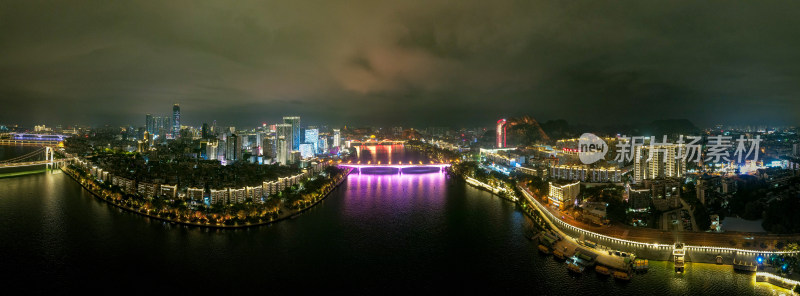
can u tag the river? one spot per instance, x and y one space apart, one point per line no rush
374 234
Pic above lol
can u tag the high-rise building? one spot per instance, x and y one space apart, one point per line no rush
323 145
161 127
212 150
307 150
234 151
501 133
664 162
268 147
337 138
295 136
149 123
206 132
312 137
564 194
283 141
176 121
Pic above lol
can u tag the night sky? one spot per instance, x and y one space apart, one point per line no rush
409 63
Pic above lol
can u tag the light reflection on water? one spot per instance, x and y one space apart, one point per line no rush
377 233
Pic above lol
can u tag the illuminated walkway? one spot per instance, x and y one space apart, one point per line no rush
649 238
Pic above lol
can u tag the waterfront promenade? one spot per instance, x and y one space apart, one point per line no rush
650 249
285 212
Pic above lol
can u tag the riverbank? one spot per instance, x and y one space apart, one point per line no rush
288 214
498 191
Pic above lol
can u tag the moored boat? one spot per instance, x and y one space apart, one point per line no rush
559 254
574 266
602 270
621 275
641 264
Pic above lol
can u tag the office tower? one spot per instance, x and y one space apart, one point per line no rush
268 147
323 145
307 150
664 163
337 138
501 133
283 139
158 127
211 150
234 152
295 136
205 133
176 121
149 123
312 137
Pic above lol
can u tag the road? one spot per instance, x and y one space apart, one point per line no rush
648 235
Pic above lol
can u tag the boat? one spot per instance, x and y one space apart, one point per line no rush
602 270
544 249
621 275
573 266
744 266
558 254
641 264
678 254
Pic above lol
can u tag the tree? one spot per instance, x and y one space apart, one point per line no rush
702 217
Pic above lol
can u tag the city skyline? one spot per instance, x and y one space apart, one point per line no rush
380 147
366 63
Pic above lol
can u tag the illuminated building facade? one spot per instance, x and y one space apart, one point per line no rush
563 195
294 137
663 164
312 137
585 173
501 133
337 138
176 121
283 142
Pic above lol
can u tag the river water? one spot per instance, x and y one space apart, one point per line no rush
390 234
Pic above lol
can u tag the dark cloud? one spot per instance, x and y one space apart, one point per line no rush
461 63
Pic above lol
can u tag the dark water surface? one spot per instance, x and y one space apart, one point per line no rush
384 234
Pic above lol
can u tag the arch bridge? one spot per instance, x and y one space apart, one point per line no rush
398 168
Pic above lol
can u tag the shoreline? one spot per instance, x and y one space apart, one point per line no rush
288 215
775 280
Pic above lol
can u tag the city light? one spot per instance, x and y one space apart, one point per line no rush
282 144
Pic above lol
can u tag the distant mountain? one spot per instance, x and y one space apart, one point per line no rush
526 130
560 129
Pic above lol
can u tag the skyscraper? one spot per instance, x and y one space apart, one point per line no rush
176 121
149 123
205 133
312 137
294 137
323 145
283 140
307 150
234 151
337 138
501 133
161 126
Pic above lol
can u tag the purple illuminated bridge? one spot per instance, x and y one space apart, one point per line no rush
396 168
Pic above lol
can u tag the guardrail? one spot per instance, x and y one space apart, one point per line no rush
555 221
